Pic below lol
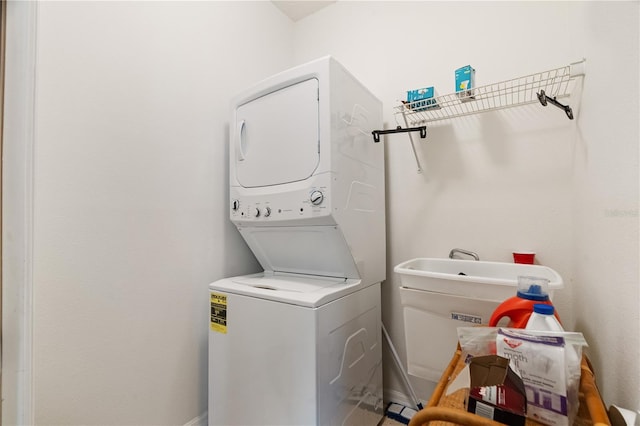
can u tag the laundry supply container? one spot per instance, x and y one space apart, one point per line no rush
438 295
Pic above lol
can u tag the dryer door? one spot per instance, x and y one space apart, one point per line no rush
276 136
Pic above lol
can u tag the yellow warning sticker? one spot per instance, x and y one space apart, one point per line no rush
219 313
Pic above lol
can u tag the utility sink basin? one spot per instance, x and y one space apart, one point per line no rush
470 278
438 295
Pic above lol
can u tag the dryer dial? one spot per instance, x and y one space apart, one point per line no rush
235 205
316 198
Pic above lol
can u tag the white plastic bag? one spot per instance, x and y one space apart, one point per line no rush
537 357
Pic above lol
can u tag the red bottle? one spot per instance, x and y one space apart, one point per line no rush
518 309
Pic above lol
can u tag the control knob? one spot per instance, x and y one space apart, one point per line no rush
316 198
256 212
235 205
267 211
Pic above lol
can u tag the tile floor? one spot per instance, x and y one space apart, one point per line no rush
390 422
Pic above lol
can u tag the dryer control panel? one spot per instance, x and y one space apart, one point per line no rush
311 202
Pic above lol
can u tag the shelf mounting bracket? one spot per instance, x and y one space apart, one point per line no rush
543 98
422 129
423 134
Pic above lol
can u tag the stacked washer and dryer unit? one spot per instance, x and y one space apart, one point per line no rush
300 343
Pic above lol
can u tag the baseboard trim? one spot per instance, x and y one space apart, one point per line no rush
201 420
392 395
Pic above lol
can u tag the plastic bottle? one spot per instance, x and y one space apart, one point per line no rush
543 319
531 291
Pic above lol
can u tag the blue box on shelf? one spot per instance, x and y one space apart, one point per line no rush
422 99
465 82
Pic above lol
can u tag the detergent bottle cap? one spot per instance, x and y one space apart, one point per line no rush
543 309
533 288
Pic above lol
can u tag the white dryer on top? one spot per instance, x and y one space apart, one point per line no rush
306 179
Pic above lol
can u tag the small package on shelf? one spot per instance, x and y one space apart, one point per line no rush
465 83
422 99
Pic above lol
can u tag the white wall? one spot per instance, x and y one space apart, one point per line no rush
519 178
130 199
605 187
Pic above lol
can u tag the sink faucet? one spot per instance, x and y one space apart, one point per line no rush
467 252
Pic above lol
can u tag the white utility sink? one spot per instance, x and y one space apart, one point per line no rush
438 295
470 278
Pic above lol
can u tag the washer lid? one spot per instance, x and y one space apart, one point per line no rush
289 288
276 136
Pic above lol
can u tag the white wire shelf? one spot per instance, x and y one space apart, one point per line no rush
540 87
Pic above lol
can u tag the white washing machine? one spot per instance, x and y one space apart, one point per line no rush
300 343
298 360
